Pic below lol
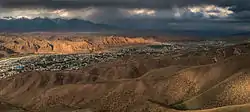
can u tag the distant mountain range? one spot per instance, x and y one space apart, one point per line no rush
123 27
46 24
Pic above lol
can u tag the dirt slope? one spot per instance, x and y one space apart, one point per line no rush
233 90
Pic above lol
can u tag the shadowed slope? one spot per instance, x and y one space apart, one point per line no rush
231 85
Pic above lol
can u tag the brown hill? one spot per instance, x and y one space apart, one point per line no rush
58 45
231 87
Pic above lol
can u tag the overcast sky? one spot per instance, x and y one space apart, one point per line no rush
111 11
92 9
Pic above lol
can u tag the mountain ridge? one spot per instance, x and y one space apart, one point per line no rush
47 24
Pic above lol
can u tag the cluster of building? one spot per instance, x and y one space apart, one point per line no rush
9 67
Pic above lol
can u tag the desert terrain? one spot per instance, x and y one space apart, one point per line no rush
77 73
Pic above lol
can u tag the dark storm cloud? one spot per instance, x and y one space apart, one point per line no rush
242 15
155 4
241 8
